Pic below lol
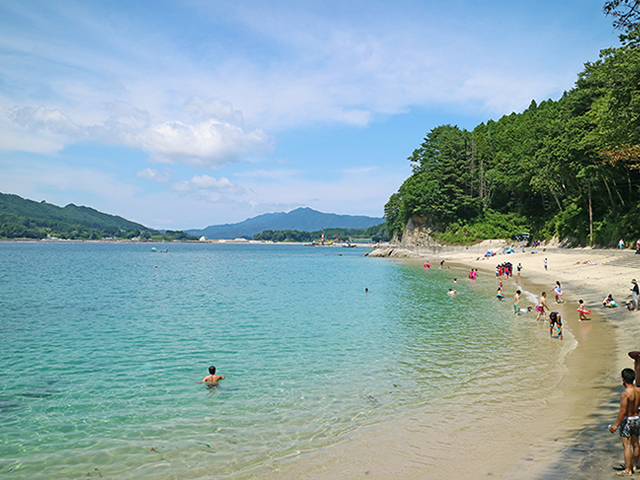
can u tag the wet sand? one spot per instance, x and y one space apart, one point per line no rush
532 432
587 274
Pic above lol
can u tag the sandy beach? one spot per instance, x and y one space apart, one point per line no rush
561 435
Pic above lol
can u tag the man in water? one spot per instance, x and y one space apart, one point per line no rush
212 379
628 422
542 305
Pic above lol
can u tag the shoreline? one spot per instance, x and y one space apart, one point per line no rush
611 271
551 440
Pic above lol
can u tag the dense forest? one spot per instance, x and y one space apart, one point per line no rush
568 169
376 234
22 218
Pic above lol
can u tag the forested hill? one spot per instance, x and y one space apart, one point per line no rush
22 218
568 169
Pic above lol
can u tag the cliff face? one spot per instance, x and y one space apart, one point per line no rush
416 237
417 234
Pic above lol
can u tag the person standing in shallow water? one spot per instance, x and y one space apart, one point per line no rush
542 305
629 423
212 379
516 303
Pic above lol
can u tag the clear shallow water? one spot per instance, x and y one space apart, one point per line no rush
100 351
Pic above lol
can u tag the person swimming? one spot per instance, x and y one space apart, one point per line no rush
212 379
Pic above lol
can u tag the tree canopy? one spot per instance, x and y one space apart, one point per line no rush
568 168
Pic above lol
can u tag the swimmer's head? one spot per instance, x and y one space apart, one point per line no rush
212 370
518 292
628 375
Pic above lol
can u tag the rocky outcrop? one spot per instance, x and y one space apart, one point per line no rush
395 252
417 234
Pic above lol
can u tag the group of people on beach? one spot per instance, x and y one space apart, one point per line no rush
504 269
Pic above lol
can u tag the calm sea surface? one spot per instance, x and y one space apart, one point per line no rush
101 346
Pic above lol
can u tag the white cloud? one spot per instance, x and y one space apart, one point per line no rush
208 143
208 188
61 183
271 174
53 121
154 175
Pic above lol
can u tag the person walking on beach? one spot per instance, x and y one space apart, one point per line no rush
545 264
212 379
628 422
621 244
519 268
558 291
635 293
583 311
542 305
516 303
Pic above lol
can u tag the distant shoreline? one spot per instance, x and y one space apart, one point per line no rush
199 242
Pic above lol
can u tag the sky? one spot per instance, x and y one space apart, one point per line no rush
184 114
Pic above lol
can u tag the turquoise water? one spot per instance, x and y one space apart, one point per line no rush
101 346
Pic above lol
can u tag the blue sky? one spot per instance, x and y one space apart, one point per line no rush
184 114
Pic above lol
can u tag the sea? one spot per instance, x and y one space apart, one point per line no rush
102 346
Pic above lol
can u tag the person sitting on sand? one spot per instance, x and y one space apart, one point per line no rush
555 319
609 301
542 305
583 312
628 422
212 379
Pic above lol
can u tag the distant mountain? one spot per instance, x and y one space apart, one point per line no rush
303 219
22 218
17 206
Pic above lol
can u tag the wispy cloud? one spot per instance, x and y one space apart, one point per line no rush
270 174
156 176
208 188
209 143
